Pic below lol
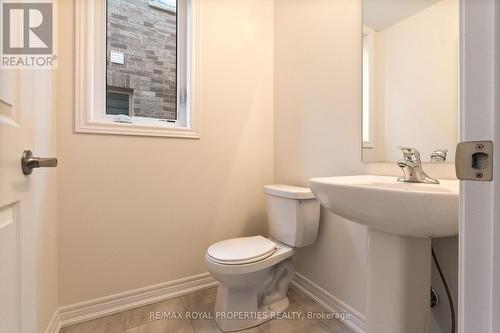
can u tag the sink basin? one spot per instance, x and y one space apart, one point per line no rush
401 219
384 204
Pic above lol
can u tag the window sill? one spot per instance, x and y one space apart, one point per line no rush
115 128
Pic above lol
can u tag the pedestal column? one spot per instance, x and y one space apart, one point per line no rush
399 282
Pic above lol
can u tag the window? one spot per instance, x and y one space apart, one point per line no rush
367 88
140 76
119 103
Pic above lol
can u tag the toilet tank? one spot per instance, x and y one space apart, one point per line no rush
293 214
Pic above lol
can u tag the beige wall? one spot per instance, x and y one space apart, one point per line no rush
317 128
136 211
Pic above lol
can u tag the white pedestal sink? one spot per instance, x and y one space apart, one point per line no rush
401 219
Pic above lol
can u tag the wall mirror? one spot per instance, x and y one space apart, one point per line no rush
410 78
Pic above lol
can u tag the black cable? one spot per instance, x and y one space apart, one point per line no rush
448 293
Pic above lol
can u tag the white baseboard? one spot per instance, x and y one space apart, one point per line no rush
54 326
356 321
105 306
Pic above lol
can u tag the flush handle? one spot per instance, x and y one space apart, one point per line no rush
474 161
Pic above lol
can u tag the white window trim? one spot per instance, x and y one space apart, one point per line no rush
370 35
90 78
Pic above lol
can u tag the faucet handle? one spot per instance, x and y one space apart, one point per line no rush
439 155
410 154
407 149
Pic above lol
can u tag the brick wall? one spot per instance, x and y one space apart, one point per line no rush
146 36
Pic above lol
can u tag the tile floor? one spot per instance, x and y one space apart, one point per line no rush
139 321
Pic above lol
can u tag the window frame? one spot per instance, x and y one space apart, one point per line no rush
90 78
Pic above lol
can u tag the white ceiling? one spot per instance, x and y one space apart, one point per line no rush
380 14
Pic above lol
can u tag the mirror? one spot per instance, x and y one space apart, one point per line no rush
410 79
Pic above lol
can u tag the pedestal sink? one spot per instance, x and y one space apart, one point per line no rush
401 219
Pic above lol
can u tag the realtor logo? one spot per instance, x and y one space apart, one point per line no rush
27 34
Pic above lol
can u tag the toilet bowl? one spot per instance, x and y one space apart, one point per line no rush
251 293
254 272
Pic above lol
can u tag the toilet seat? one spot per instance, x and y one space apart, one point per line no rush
240 251
281 253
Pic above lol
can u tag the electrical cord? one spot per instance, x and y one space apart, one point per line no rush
448 293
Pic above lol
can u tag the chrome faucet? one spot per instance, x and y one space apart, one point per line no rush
412 168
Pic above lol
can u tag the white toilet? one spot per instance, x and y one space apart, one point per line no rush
254 272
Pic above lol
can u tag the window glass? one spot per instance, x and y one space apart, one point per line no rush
142 59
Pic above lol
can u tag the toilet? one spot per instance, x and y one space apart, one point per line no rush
254 272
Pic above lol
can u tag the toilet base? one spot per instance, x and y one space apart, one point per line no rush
241 308
228 323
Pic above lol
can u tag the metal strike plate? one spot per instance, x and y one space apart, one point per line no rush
474 161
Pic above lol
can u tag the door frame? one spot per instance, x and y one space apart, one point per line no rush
479 227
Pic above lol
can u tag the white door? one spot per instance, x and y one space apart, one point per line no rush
15 134
25 95
479 269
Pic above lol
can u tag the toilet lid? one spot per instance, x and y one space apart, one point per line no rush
239 251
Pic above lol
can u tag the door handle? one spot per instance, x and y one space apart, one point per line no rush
29 162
